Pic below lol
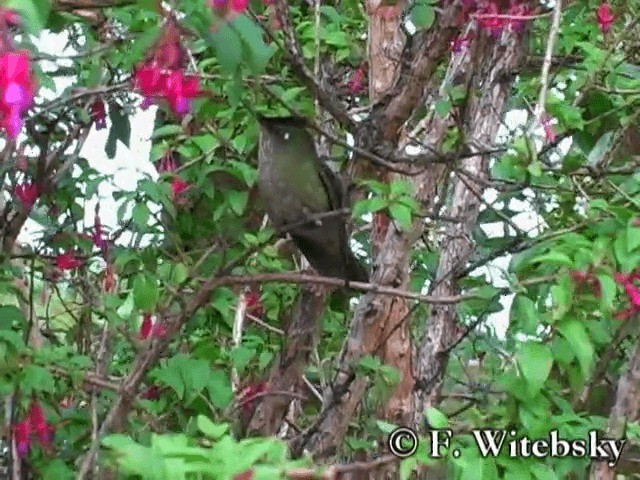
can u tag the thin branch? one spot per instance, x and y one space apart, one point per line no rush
298 278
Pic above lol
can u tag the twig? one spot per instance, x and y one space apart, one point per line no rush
237 334
546 64
298 278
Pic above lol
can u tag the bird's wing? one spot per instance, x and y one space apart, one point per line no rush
333 186
336 193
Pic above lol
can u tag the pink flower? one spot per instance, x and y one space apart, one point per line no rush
10 17
254 305
151 393
179 89
167 163
21 434
604 17
239 5
549 131
517 10
356 83
98 114
17 88
149 79
27 194
109 279
39 424
487 19
177 187
67 261
633 293
219 4
460 43
150 328
97 236
247 396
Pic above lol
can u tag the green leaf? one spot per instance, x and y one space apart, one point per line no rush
386 427
33 13
443 107
257 51
423 16
633 238
237 201
600 148
220 392
37 378
228 47
608 291
10 314
141 214
576 335
179 273
401 213
120 129
212 430
524 314
436 418
555 258
145 293
167 131
535 361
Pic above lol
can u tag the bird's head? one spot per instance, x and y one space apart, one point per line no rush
291 130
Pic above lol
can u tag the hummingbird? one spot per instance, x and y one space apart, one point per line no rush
298 188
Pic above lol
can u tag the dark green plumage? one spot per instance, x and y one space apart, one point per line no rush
295 184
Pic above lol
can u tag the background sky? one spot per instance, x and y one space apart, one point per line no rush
132 164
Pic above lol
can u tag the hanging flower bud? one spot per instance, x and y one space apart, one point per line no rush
67 261
604 17
98 114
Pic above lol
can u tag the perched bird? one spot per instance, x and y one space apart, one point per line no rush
297 188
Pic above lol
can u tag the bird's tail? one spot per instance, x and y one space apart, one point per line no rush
355 270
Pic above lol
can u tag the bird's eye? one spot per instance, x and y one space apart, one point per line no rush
286 136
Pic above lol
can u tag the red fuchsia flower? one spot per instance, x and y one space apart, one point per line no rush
460 43
254 305
248 395
173 86
10 17
604 17
98 114
517 10
22 434
109 278
246 475
151 328
239 5
167 163
586 279
356 83
152 392
177 187
488 20
179 89
67 261
549 131
17 88
169 54
27 194
97 236
633 293
39 424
